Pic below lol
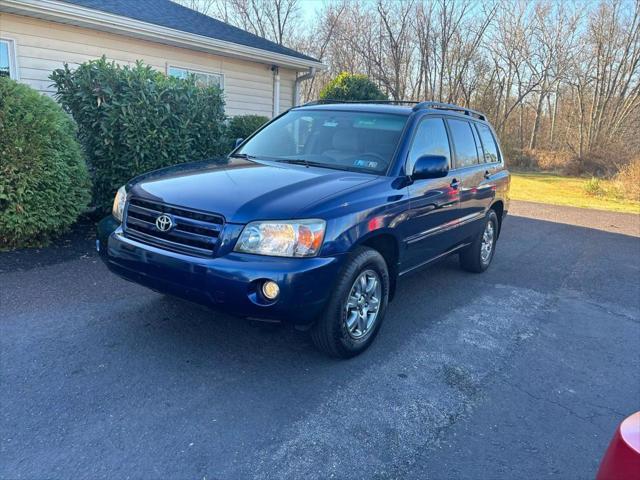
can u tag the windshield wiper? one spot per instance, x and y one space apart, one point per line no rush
246 156
296 161
309 163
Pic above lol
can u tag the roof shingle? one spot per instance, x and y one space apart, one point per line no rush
165 13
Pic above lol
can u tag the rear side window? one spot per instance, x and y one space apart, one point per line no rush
463 143
430 139
489 144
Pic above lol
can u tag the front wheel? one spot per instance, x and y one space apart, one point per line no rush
353 314
477 256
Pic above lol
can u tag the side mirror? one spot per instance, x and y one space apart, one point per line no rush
238 142
430 166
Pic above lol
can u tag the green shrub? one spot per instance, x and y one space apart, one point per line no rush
135 119
241 126
44 185
347 86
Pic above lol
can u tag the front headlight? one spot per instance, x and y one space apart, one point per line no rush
295 238
118 203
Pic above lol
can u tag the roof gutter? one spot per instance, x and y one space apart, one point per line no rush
95 19
296 86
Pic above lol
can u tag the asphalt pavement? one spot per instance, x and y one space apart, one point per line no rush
521 372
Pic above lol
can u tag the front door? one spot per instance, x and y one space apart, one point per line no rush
434 202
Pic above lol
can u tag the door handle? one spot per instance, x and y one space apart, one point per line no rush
455 184
487 175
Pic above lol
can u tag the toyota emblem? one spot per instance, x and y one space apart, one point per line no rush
164 223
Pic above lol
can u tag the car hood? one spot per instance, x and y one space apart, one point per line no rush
244 190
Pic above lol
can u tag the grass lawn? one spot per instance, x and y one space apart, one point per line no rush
558 190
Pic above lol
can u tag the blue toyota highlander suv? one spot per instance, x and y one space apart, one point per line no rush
313 218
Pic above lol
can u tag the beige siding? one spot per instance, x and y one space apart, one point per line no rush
42 46
287 79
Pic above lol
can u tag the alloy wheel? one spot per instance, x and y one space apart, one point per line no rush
488 239
363 304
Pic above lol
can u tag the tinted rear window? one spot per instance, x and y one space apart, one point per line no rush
491 154
463 143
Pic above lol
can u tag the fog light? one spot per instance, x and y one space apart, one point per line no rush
270 290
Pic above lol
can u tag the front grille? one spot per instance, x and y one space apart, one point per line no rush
193 232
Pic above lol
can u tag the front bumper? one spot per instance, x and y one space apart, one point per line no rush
229 283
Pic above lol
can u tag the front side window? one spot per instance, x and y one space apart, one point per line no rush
7 59
203 79
356 141
463 143
430 139
491 154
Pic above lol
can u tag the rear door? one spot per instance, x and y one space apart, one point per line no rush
470 173
434 202
492 164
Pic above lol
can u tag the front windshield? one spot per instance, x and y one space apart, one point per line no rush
358 141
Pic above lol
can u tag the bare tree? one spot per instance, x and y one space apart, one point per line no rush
271 19
551 74
319 43
509 49
203 6
614 43
396 47
554 41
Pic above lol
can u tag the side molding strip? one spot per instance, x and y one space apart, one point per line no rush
458 222
431 260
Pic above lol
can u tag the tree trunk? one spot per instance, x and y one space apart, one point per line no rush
521 121
536 122
554 116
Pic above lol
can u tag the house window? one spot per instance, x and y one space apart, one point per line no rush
203 79
8 67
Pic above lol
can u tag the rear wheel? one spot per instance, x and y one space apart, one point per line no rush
477 256
354 313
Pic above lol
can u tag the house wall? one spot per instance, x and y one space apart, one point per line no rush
42 46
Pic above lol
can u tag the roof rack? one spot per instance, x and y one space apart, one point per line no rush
416 105
385 102
451 107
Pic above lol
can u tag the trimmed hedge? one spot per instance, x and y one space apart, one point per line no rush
44 185
134 119
347 86
242 126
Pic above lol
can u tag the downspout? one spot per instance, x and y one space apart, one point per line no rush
296 85
276 90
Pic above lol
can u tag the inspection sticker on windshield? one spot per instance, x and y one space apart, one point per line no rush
365 164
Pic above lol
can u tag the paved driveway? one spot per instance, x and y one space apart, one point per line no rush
522 372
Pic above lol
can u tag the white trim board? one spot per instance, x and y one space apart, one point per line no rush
89 18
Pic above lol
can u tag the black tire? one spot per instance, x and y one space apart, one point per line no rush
471 258
330 333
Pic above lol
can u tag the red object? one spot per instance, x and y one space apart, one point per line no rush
375 223
622 459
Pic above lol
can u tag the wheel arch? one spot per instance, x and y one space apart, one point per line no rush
387 245
498 207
